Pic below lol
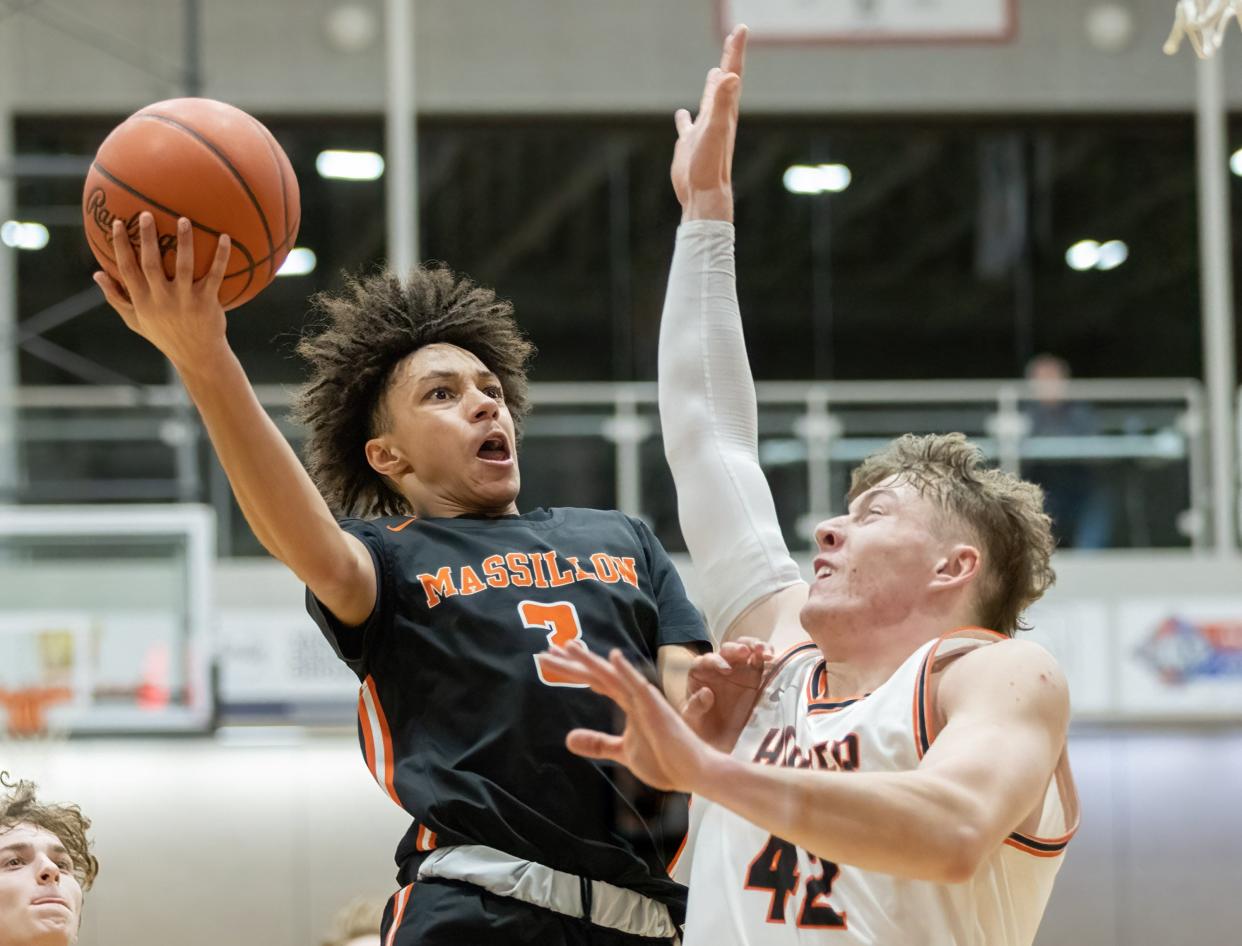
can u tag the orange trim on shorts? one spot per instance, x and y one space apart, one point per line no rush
425 839
402 898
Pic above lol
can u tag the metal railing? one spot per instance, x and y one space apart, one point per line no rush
598 444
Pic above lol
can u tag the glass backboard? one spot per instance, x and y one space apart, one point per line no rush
104 619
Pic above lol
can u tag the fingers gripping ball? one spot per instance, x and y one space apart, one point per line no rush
207 161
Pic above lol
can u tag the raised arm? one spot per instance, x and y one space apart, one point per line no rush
184 320
707 395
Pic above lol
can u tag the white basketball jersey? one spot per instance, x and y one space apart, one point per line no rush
749 888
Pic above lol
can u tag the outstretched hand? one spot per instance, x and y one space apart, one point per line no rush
181 317
722 689
656 745
702 170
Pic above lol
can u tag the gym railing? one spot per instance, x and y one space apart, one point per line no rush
1134 448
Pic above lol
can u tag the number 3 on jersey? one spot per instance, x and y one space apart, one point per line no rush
560 620
775 869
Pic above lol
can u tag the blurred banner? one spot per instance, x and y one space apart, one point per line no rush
275 666
1157 658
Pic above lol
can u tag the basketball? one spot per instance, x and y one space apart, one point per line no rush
211 163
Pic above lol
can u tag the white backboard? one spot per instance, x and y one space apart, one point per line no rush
112 604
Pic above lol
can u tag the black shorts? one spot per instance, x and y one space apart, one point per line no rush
451 913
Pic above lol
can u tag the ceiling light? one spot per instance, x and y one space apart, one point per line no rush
1112 254
23 236
350 165
1110 27
351 27
1090 254
817 178
1235 162
1083 255
300 261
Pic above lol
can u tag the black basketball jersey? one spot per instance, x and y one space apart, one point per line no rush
460 723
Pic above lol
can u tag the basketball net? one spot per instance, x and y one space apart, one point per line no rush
1203 23
31 742
26 710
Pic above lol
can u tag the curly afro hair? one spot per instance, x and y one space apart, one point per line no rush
368 328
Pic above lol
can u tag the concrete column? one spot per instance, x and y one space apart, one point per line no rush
8 279
401 137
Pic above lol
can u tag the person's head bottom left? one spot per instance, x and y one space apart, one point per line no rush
45 868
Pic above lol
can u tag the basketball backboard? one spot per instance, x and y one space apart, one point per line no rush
872 21
104 618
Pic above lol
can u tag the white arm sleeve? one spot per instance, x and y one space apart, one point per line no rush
711 438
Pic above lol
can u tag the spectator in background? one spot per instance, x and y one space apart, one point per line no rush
1074 494
356 924
45 867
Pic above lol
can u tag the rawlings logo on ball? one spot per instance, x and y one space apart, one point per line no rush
97 207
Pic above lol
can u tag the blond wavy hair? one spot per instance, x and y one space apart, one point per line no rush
360 917
1003 514
21 806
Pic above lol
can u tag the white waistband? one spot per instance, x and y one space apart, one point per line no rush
617 908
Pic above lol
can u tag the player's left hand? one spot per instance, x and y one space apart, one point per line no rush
702 168
656 744
722 689
181 316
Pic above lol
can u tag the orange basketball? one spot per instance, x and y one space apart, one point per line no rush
209 162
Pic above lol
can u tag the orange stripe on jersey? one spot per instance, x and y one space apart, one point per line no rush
827 709
403 525
788 655
401 898
390 763
924 718
1051 847
364 725
817 701
1036 849
817 683
921 742
975 629
672 865
377 739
